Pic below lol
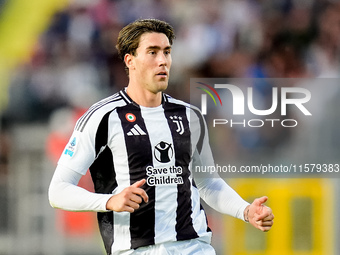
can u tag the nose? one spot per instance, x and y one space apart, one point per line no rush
162 59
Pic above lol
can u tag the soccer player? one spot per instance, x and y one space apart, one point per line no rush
141 145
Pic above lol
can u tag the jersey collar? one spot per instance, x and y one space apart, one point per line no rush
128 100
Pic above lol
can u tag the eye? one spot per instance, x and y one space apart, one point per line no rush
152 52
167 52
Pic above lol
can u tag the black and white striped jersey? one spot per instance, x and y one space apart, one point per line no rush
121 143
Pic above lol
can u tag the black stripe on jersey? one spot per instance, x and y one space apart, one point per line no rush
182 146
104 179
142 221
106 229
85 118
202 128
102 133
102 169
103 173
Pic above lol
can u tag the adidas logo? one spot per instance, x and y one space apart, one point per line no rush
136 130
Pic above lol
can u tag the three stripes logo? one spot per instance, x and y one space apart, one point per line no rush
204 96
136 130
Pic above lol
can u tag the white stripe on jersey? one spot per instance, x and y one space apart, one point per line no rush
164 231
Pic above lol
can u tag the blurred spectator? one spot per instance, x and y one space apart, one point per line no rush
323 58
76 62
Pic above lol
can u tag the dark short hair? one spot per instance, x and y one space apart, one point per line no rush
129 36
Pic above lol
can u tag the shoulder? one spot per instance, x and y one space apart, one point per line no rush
190 107
100 109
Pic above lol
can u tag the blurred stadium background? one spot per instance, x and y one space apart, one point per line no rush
57 57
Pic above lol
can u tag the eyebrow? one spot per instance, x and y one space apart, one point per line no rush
158 48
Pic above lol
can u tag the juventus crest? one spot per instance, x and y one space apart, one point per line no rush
179 123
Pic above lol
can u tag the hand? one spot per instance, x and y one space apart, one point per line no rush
129 199
259 215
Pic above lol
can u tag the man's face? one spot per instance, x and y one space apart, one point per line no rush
152 62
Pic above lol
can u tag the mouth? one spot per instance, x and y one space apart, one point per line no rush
162 74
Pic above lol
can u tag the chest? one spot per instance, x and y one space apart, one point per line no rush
151 136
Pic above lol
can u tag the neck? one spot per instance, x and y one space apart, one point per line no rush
144 97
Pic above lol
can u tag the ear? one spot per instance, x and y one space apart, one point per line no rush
129 61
